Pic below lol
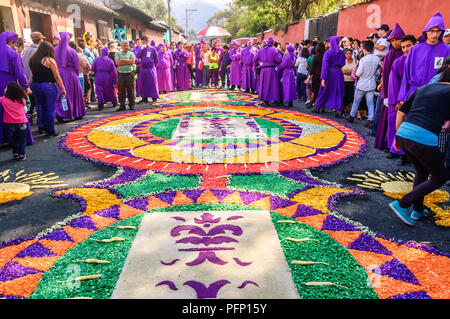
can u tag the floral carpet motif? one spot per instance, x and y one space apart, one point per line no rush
211 158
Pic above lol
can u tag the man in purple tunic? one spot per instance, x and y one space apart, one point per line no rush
395 80
11 70
183 74
105 79
165 70
247 57
267 59
425 58
331 93
287 67
198 59
69 69
395 51
236 67
148 56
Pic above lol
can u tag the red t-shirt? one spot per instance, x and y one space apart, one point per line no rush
13 112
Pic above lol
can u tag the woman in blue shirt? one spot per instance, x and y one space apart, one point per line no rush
417 135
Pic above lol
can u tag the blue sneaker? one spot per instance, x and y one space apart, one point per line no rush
402 213
418 216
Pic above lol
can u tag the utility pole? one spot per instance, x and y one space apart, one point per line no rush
170 22
187 21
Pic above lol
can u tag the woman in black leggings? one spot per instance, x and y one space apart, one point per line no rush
417 135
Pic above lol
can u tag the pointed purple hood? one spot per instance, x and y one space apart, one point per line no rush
397 32
5 37
334 43
436 21
62 48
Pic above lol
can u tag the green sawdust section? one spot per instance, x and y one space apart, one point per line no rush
272 183
343 269
165 129
157 183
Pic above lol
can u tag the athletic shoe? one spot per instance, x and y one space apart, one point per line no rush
402 213
22 157
418 216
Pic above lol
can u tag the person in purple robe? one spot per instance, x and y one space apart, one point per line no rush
11 70
247 57
105 79
386 112
148 56
165 70
425 58
331 93
395 81
69 69
182 70
236 67
287 68
198 59
266 60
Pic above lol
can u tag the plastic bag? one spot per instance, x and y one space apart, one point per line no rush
64 105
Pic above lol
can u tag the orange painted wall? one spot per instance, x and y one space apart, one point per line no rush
294 34
412 15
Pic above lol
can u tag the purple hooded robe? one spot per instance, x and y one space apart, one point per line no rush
386 112
332 95
149 79
182 70
235 68
248 78
287 67
395 81
198 59
11 70
165 71
270 58
424 60
105 78
69 69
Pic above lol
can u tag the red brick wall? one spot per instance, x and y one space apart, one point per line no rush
359 21
294 34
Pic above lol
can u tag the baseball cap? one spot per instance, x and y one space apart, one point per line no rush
36 36
446 32
384 27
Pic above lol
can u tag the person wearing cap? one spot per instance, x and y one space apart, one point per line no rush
382 44
236 67
36 39
267 60
446 38
425 58
247 56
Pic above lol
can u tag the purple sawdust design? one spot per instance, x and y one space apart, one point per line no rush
14 270
36 250
367 243
207 218
196 230
58 235
395 269
206 240
242 263
412 295
168 283
234 217
169 263
248 282
179 218
83 222
206 292
210 256
206 249
333 223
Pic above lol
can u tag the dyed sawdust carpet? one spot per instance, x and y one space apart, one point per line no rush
214 198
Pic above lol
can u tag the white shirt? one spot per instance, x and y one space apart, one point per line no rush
302 65
384 42
367 73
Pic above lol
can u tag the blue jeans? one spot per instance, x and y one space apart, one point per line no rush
205 74
225 76
376 117
359 94
301 86
46 95
19 137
